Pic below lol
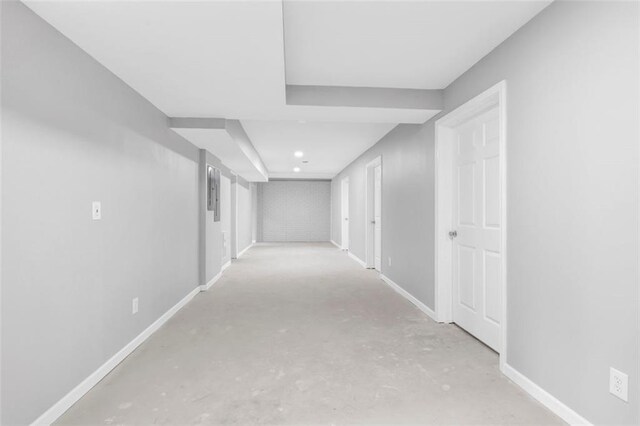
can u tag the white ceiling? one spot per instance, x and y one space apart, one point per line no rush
399 44
329 147
226 59
199 59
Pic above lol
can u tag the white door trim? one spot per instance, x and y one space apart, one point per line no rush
369 211
495 96
234 216
344 214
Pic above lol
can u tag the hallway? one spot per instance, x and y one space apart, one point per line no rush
301 334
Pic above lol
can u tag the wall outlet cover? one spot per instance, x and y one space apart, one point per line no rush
619 384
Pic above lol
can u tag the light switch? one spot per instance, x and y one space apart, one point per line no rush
97 210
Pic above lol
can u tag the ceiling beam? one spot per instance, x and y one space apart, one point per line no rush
365 97
196 123
233 128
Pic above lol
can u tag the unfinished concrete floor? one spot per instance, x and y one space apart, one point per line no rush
301 334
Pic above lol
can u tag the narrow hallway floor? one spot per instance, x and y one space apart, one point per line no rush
301 334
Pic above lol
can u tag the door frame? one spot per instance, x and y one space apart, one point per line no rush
369 212
234 216
494 96
344 245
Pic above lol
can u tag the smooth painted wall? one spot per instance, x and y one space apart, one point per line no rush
211 252
254 212
245 222
234 216
572 181
225 217
212 249
407 207
572 240
73 133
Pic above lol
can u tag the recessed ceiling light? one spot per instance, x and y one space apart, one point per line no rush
298 154
296 169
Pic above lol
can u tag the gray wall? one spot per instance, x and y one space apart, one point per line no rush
407 207
225 216
295 210
211 253
245 222
572 158
73 133
234 216
254 212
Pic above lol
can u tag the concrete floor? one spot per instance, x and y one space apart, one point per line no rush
301 334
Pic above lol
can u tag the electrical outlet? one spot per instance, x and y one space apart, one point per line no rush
134 306
618 384
389 261
96 210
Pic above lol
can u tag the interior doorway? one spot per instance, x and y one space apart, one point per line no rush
471 218
234 216
374 214
345 213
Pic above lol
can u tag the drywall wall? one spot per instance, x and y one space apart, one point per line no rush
225 217
211 231
73 133
294 210
242 221
572 190
234 216
572 169
336 201
245 222
212 250
254 212
407 207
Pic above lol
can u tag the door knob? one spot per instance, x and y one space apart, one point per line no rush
453 234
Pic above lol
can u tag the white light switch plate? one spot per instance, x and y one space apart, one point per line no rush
619 384
97 210
134 306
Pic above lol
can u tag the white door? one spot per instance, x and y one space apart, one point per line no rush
377 216
345 214
477 298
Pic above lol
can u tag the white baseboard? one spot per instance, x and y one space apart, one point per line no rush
244 250
424 308
53 413
357 259
226 265
335 244
211 282
548 400
544 397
